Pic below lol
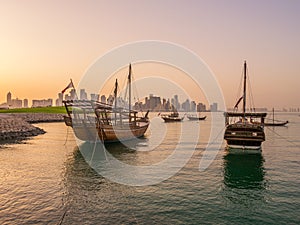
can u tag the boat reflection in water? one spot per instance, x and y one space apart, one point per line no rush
244 172
90 197
97 153
244 188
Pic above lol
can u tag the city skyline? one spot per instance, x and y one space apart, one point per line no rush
151 102
44 44
188 104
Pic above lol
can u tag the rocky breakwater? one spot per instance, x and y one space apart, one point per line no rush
18 126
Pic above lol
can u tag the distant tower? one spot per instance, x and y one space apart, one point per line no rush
58 101
73 95
8 98
103 99
214 107
25 103
83 94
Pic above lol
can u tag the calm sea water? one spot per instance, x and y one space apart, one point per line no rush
45 180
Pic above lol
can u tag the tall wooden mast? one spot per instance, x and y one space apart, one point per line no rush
129 87
245 92
115 96
116 93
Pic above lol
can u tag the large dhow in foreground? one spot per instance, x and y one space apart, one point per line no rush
93 120
244 130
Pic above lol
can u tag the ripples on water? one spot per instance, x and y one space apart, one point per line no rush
44 181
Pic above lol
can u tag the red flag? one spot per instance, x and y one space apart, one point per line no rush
70 85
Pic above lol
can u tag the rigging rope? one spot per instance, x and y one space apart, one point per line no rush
67 136
251 99
284 138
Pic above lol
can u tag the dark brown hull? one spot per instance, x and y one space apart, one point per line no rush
276 124
249 136
106 133
196 118
172 119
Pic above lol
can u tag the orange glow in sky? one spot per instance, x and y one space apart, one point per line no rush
45 43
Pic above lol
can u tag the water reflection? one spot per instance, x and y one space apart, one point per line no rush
126 151
244 171
89 197
244 182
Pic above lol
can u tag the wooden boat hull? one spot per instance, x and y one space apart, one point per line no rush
241 149
276 124
170 119
106 133
244 138
196 118
110 133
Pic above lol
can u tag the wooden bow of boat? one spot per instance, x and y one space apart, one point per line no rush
190 117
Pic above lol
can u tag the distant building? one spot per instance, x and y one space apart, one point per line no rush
103 99
83 94
259 109
8 98
16 103
59 100
152 103
42 103
73 94
95 97
176 102
186 106
214 107
201 107
25 103
4 106
193 106
67 97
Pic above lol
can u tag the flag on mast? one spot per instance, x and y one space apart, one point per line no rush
238 102
70 85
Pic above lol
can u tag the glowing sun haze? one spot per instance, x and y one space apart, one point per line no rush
45 43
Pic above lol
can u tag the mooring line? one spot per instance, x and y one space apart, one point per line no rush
67 136
284 138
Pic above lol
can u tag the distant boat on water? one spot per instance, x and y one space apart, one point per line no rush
172 117
195 117
276 123
247 134
93 120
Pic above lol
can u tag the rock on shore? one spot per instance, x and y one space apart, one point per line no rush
18 126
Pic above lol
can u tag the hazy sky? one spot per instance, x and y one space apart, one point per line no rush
45 43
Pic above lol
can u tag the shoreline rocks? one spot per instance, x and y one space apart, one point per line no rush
18 126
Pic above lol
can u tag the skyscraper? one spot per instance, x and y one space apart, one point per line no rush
214 107
25 103
8 98
83 94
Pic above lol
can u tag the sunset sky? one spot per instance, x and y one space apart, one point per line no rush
45 43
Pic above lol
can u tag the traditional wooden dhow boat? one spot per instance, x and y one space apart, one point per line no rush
247 134
193 117
172 117
275 123
93 120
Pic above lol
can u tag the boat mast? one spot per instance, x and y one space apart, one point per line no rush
273 116
129 88
115 96
116 93
244 96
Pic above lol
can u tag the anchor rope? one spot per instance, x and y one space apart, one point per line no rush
284 138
